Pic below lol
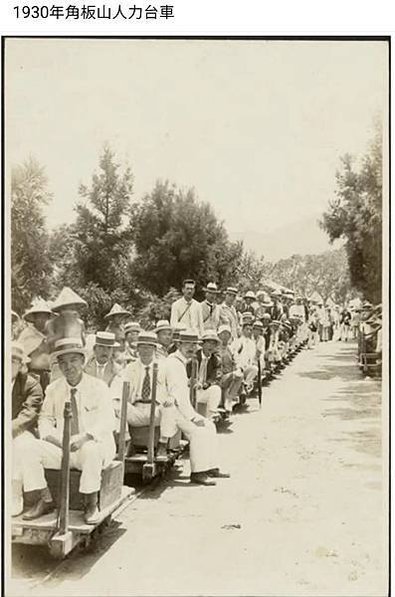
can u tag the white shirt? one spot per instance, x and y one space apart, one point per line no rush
188 314
95 410
244 351
177 384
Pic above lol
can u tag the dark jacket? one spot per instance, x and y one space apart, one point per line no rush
214 368
27 398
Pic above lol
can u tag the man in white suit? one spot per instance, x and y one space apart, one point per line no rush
140 376
201 432
92 443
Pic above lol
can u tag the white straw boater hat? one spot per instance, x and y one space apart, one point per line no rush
67 297
162 325
231 290
69 346
224 328
187 336
148 338
18 351
132 326
105 339
211 287
116 310
209 335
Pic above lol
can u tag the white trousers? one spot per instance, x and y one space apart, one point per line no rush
203 448
165 416
250 373
211 397
33 456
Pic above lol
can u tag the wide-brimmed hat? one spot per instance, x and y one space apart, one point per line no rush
132 326
18 351
249 294
104 339
210 335
147 338
257 324
163 325
266 316
14 315
69 346
224 328
38 307
116 310
66 298
30 339
276 293
187 336
211 287
231 290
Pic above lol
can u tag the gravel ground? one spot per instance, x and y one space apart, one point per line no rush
304 513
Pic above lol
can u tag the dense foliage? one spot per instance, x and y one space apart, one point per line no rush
355 215
137 251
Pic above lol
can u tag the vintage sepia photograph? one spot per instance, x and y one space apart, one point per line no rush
197 301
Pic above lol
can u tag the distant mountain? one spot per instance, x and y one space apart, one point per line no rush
303 237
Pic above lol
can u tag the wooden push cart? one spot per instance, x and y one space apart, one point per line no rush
65 528
140 458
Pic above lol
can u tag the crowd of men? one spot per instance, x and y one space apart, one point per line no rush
208 356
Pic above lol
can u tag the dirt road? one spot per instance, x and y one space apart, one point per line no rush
304 513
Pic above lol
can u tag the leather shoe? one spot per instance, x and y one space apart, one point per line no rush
39 509
201 479
215 472
92 514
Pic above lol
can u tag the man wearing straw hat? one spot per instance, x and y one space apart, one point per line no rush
101 363
244 350
36 348
210 308
92 443
68 323
140 376
132 330
228 313
232 377
116 318
38 315
164 336
186 311
201 432
27 398
209 374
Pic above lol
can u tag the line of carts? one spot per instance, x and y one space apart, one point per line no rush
63 529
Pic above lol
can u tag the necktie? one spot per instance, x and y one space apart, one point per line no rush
74 428
146 389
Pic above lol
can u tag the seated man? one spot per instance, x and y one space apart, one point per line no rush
92 443
164 335
232 376
209 374
101 364
140 376
244 350
200 431
27 398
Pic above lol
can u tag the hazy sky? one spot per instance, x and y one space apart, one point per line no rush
256 127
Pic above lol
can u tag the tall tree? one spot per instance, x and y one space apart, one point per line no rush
355 214
176 236
96 248
30 262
